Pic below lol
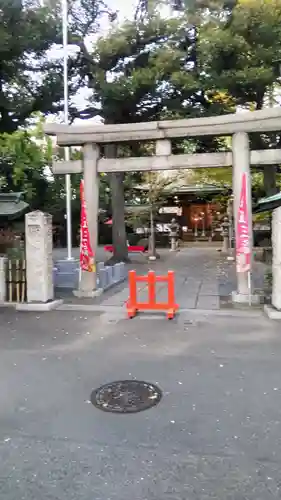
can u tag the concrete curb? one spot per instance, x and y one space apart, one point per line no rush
109 276
66 275
88 295
8 304
36 306
239 298
199 312
271 312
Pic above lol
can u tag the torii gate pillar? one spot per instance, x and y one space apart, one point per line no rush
88 281
241 165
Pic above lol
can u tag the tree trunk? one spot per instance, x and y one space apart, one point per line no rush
152 234
119 237
152 254
269 180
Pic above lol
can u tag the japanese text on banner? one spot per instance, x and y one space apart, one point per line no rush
87 262
243 253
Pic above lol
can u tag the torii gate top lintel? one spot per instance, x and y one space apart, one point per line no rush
267 120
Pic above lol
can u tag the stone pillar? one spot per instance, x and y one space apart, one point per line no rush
39 257
173 243
225 235
3 262
88 281
241 164
163 147
276 258
230 228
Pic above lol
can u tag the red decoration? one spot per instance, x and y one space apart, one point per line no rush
87 262
243 253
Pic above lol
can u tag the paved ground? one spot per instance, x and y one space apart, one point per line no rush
196 284
203 277
216 434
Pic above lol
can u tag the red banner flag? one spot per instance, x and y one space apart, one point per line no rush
87 262
243 253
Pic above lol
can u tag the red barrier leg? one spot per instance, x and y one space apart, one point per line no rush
151 282
171 295
132 302
133 306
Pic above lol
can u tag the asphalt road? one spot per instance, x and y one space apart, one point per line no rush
216 433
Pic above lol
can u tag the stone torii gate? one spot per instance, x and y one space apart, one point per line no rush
90 137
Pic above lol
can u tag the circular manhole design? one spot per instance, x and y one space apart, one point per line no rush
126 396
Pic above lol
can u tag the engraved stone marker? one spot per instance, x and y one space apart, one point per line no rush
39 258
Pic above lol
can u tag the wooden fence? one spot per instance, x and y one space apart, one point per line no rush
16 280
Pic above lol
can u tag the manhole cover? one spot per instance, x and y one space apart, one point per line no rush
126 396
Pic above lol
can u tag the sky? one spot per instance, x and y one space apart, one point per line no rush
125 9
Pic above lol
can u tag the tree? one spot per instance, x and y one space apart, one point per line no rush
121 99
146 7
158 185
242 58
31 80
154 68
23 166
140 72
26 34
236 49
154 190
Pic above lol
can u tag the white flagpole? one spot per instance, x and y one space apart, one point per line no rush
80 248
250 288
66 150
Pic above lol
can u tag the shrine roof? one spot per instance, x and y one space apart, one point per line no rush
12 205
178 188
268 203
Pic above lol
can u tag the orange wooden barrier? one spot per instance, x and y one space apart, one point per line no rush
133 306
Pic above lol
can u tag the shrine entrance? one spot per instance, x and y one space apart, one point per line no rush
90 137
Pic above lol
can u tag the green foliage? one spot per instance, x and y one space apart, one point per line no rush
268 279
157 188
221 177
130 67
26 34
23 164
209 59
262 217
242 56
152 195
30 80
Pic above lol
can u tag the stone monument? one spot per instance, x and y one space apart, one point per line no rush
174 234
39 258
225 235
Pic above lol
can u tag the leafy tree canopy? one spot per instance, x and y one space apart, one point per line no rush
30 79
243 57
23 165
